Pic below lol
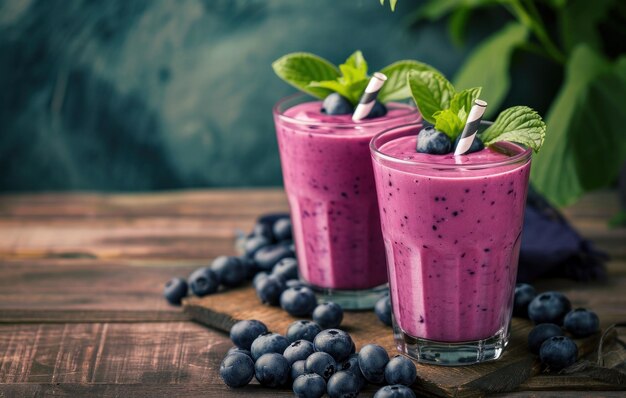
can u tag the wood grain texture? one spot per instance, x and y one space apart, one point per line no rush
222 310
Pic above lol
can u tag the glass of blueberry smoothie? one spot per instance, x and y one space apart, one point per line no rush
451 225
329 182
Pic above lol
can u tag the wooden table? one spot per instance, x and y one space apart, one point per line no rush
81 275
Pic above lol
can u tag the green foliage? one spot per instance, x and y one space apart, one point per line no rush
583 149
392 4
586 144
491 72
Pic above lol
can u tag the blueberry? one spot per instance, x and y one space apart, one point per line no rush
378 110
282 229
266 257
320 363
257 278
335 104
302 330
343 384
395 391
383 310
236 370
203 281
309 386
268 342
335 342
298 350
372 361
549 307
264 230
236 349
270 288
243 333
175 290
249 267
230 270
287 268
541 333
524 294
253 243
298 301
352 365
400 370
272 370
328 315
295 283
432 141
297 369
477 144
581 322
558 352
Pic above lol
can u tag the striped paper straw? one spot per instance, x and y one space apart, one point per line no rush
369 96
471 127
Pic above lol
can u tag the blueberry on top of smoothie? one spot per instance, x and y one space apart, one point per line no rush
432 141
335 104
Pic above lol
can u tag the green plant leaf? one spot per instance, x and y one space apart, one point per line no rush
578 22
357 61
396 87
457 23
300 69
464 100
488 66
585 146
392 4
448 122
430 91
333 86
519 124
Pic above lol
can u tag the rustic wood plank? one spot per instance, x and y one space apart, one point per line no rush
147 353
221 311
46 291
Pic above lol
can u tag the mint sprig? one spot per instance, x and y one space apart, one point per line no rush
441 105
318 77
300 69
519 124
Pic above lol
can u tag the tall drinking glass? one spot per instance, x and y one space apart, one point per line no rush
452 228
329 182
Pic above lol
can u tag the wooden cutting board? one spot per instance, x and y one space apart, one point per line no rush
515 367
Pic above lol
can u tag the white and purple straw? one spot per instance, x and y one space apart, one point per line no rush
369 96
471 127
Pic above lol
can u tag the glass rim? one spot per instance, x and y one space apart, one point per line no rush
521 157
347 124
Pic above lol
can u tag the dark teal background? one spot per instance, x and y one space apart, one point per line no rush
163 94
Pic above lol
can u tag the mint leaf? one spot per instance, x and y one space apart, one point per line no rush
449 122
357 61
300 69
395 87
519 124
350 74
464 100
431 92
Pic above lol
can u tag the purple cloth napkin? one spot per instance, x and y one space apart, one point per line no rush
552 247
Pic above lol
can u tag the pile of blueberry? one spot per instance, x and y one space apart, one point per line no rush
553 316
268 259
313 361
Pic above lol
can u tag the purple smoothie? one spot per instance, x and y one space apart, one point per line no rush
329 182
452 236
